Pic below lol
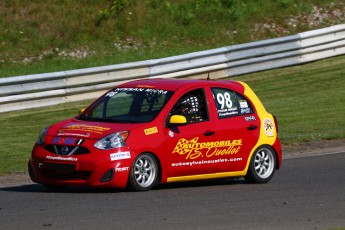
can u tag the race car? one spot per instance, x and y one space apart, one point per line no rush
151 131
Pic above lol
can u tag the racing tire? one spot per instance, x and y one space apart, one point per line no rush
144 172
262 165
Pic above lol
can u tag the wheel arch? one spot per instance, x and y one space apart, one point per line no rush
276 159
159 164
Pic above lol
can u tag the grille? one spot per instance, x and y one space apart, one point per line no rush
67 150
64 172
78 175
59 167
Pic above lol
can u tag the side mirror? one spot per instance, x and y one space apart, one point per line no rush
177 120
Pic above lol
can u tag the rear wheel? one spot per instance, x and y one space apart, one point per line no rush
144 172
262 165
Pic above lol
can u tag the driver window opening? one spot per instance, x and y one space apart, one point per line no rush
192 105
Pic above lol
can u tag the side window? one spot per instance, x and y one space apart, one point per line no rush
230 103
193 106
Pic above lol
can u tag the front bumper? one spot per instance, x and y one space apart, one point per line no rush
94 169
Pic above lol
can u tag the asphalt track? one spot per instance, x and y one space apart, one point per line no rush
307 193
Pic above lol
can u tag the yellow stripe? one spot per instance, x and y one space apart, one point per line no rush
206 176
262 113
263 139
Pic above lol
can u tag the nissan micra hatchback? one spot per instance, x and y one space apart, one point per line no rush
146 132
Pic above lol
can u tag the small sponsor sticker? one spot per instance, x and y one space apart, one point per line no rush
250 118
268 127
58 158
146 86
243 104
151 131
245 111
123 169
120 156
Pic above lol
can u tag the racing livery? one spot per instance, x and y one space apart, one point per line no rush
151 131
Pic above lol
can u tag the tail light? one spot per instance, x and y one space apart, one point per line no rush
275 123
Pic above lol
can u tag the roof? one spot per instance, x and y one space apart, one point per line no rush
172 84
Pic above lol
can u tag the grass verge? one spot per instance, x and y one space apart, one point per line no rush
307 99
47 36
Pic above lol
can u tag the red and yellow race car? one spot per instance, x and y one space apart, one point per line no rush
146 132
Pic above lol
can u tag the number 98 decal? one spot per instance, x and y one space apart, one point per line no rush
224 100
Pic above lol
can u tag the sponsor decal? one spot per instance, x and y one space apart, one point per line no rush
58 158
192 149
120 156
268 127
250 118
204 162
227 112
67 141
61 133
243 104
141 89
123 169
226 105
229 105
146 86
83 127
151 131
245 111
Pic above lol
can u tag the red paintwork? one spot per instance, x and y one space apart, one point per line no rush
228 132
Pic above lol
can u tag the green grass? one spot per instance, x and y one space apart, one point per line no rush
36 34
19 131
307 99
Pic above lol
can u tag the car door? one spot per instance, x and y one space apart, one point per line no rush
237 128
185 144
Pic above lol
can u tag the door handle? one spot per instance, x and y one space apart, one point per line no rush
209 133
252 127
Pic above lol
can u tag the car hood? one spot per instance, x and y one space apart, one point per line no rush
88 129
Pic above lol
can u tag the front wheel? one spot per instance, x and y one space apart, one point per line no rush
262 165
144 172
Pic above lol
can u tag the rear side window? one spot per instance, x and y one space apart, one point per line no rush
230 103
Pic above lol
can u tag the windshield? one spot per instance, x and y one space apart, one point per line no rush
127 105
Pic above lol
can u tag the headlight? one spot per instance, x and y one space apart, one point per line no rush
112 141
42 136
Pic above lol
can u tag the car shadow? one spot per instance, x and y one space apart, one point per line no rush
37 188
200 183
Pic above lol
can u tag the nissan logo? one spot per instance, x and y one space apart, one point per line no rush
64 150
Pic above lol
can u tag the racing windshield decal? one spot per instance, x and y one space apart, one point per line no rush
146 90
146 86
85 128
151 131
193 149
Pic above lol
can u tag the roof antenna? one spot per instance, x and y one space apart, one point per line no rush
208 76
